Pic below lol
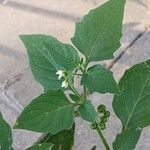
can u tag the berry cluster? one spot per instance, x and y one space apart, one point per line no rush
102 117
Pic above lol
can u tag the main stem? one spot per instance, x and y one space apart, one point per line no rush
103 138
85 95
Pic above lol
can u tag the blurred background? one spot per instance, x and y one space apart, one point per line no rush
57 18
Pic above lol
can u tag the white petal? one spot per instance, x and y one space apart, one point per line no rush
59 77
64 84
59 72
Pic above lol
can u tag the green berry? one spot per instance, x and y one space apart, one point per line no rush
101 108
94 126
104 119
106 113
102 125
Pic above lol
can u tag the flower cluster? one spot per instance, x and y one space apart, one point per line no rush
61 74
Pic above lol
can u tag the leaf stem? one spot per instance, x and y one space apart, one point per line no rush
103 138
84 91
78 74
76 92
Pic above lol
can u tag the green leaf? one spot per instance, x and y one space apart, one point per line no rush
87 111
127 139
5 135
132 105
63 56
98 35
63 140
46 56
44 146
50 112
99 79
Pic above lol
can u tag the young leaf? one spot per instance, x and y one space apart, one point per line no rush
87 111
63 139
50 112
99 79
132 105
98 35
5 135
44 146
46 56
127 139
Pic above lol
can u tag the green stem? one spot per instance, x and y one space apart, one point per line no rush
78 74
84 91
103 138
76 92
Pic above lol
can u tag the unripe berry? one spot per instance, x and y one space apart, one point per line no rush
106 113
94 126
103 119
101 108
102 125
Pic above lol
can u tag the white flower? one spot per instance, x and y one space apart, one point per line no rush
60 74
64 84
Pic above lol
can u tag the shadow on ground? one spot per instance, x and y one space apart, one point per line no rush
140 2
40 11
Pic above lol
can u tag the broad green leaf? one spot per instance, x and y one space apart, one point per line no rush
132 105
44 146
127 139
46 56
63 140
99 79
5 135
50 112
98 35
87 111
